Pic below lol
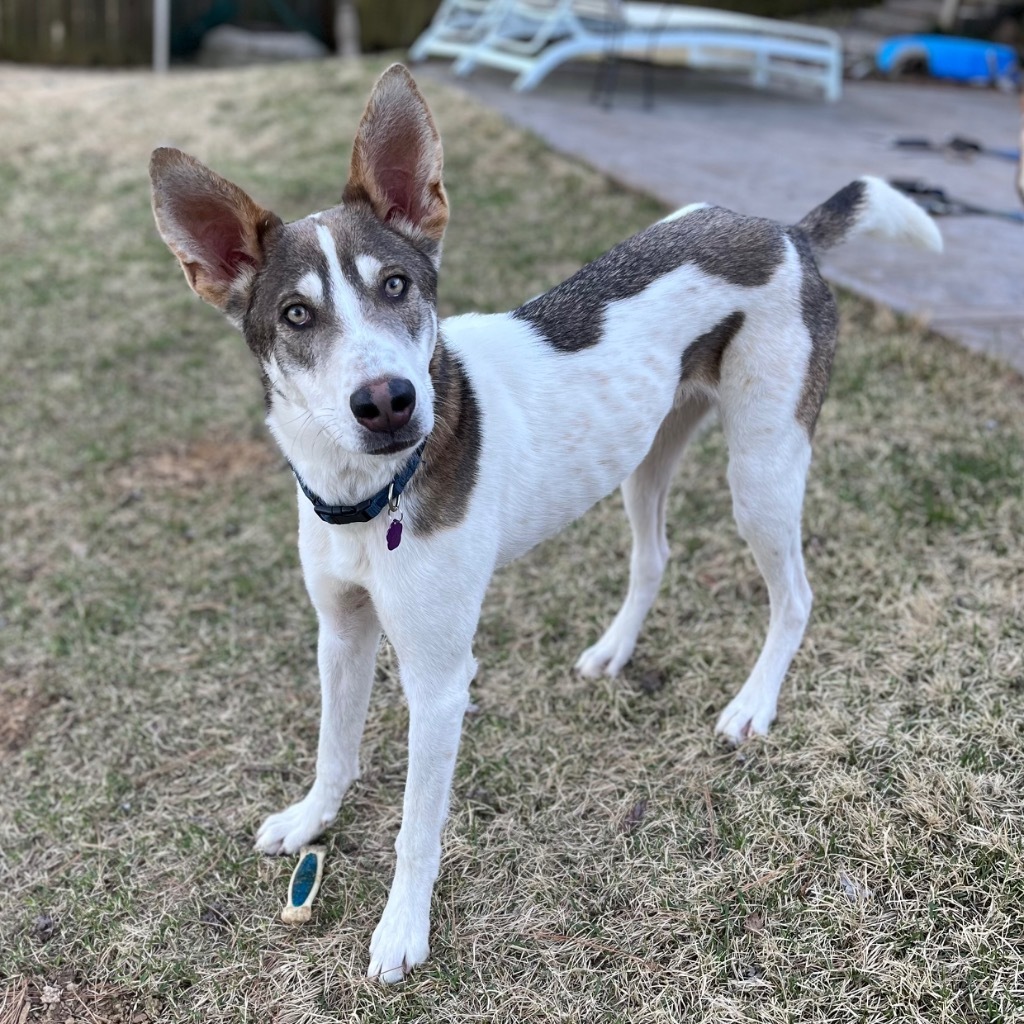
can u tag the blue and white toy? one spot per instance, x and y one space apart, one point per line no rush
304 885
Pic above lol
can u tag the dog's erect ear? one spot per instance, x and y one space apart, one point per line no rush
212 226
397 159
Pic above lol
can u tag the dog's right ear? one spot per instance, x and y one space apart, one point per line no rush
216 231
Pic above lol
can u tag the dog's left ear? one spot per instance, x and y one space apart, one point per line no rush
397 159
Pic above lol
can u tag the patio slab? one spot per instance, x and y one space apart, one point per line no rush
776 154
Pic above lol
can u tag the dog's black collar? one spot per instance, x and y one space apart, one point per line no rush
342 515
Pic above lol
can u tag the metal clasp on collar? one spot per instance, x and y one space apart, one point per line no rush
394 500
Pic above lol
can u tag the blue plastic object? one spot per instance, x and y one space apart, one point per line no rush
964 60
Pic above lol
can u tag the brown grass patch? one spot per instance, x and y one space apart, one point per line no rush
202 463
16 726
22 702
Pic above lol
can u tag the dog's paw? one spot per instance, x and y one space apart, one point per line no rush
399 943
295 826
745 716
607 656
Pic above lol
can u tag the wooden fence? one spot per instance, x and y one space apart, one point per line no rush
119 32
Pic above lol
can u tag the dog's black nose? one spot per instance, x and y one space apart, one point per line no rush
385 405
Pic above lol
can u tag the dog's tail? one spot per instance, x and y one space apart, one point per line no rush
869 206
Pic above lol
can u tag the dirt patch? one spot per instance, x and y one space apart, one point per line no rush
65 1000
22 703
16 726
198 464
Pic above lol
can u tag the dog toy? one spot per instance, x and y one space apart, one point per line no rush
304 885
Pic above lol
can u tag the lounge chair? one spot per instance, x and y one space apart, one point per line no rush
532 37
456 27
460 25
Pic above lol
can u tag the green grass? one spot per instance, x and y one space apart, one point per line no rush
605 858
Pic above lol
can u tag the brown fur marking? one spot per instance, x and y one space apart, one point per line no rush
743 251
702 360
821 319
442 486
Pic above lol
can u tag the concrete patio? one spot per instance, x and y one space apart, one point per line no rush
777 155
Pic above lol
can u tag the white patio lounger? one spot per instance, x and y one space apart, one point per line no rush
532 37
460 25
457 25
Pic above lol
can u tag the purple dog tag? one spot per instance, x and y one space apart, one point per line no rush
394 536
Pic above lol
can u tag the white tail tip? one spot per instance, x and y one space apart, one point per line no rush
888 213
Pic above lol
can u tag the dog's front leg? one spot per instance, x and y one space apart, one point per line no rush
437 666
346 654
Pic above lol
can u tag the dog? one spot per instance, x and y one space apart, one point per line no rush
426 455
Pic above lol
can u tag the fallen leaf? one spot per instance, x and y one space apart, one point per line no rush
634 816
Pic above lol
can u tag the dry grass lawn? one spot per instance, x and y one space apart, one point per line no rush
605 860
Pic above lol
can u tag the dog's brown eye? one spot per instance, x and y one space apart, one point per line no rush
297 315
394 286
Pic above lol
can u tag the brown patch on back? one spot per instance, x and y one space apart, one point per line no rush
201 463
702 360
442 486
744 251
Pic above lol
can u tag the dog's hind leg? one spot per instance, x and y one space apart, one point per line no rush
645 494
769 454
